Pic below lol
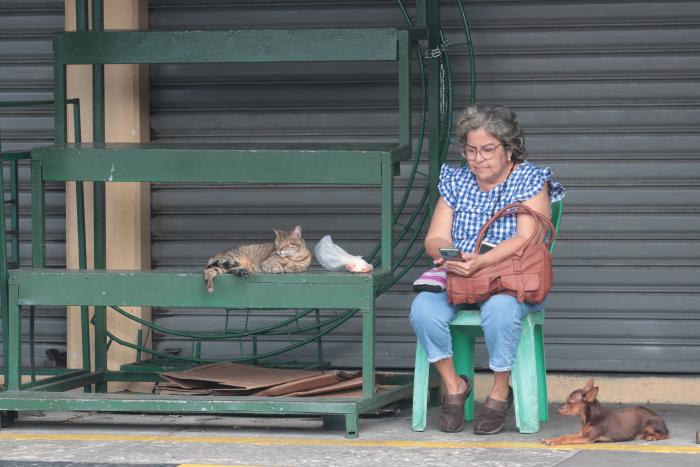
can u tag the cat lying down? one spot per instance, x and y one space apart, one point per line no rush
287 254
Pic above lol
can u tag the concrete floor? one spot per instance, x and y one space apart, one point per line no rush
97 439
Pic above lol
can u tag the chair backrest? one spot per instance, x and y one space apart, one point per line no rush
557 209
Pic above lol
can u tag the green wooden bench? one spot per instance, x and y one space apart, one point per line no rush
366 165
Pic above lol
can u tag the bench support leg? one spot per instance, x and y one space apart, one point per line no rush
14 343
368 351
351 424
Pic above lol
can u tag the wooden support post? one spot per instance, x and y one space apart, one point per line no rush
128 204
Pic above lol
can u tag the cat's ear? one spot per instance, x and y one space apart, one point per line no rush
277 233
296 231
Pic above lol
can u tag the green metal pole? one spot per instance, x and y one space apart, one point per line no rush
368 344
387 221
14 213
59 103
32 343
98 116
404 90
139 339
81 15
82 245
3 282
99 199
421 8
38 256
38 220
319 344
14 341
434 42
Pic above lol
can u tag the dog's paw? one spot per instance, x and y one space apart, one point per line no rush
547 441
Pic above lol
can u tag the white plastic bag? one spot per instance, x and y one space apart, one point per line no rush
334 258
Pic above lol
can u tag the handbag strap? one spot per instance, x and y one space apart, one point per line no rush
516 208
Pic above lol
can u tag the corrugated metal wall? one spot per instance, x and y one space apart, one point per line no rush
26 73
607 92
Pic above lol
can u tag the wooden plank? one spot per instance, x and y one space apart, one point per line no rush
263 45
341 164
137 288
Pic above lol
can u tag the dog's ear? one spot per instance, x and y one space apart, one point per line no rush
589 385
591 394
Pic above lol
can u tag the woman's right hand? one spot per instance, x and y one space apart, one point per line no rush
439 262
469 265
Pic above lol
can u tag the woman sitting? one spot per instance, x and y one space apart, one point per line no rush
496 174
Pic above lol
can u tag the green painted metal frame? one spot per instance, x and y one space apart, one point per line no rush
13 158
99 162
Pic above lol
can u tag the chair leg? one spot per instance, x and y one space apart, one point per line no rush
463 348
421 375
541 374
525 382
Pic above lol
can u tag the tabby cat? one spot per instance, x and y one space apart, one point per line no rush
288 254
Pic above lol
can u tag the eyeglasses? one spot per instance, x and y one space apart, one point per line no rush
487 152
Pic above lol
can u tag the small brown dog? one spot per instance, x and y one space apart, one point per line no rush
604 424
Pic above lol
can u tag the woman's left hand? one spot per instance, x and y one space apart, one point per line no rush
471 262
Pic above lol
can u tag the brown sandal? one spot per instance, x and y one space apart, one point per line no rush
492 418
452 410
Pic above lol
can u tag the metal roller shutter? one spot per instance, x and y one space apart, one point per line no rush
607 93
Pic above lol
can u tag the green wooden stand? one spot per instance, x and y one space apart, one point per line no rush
368 165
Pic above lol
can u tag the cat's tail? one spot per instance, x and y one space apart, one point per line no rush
210 273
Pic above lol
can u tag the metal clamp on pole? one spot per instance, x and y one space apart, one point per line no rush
438 51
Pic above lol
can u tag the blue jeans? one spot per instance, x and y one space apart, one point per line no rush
501 317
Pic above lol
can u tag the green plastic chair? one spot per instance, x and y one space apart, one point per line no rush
529 376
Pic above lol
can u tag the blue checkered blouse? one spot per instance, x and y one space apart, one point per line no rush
473 207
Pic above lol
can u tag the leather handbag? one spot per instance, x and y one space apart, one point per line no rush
526 274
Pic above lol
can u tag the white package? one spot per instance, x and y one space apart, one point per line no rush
334 258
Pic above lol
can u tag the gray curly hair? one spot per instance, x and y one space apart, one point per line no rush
498 120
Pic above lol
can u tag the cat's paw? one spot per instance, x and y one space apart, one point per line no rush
241 272
209 274
271 267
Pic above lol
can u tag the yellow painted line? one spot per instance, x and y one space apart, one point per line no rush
215 465
652 448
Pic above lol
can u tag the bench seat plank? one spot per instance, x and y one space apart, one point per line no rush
311 289
219 163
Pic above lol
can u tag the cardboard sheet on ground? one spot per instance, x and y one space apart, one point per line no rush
234 375
346 387
215 390
355 393
341 386
310 383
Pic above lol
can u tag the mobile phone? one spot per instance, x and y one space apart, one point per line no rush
485 246
450 254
